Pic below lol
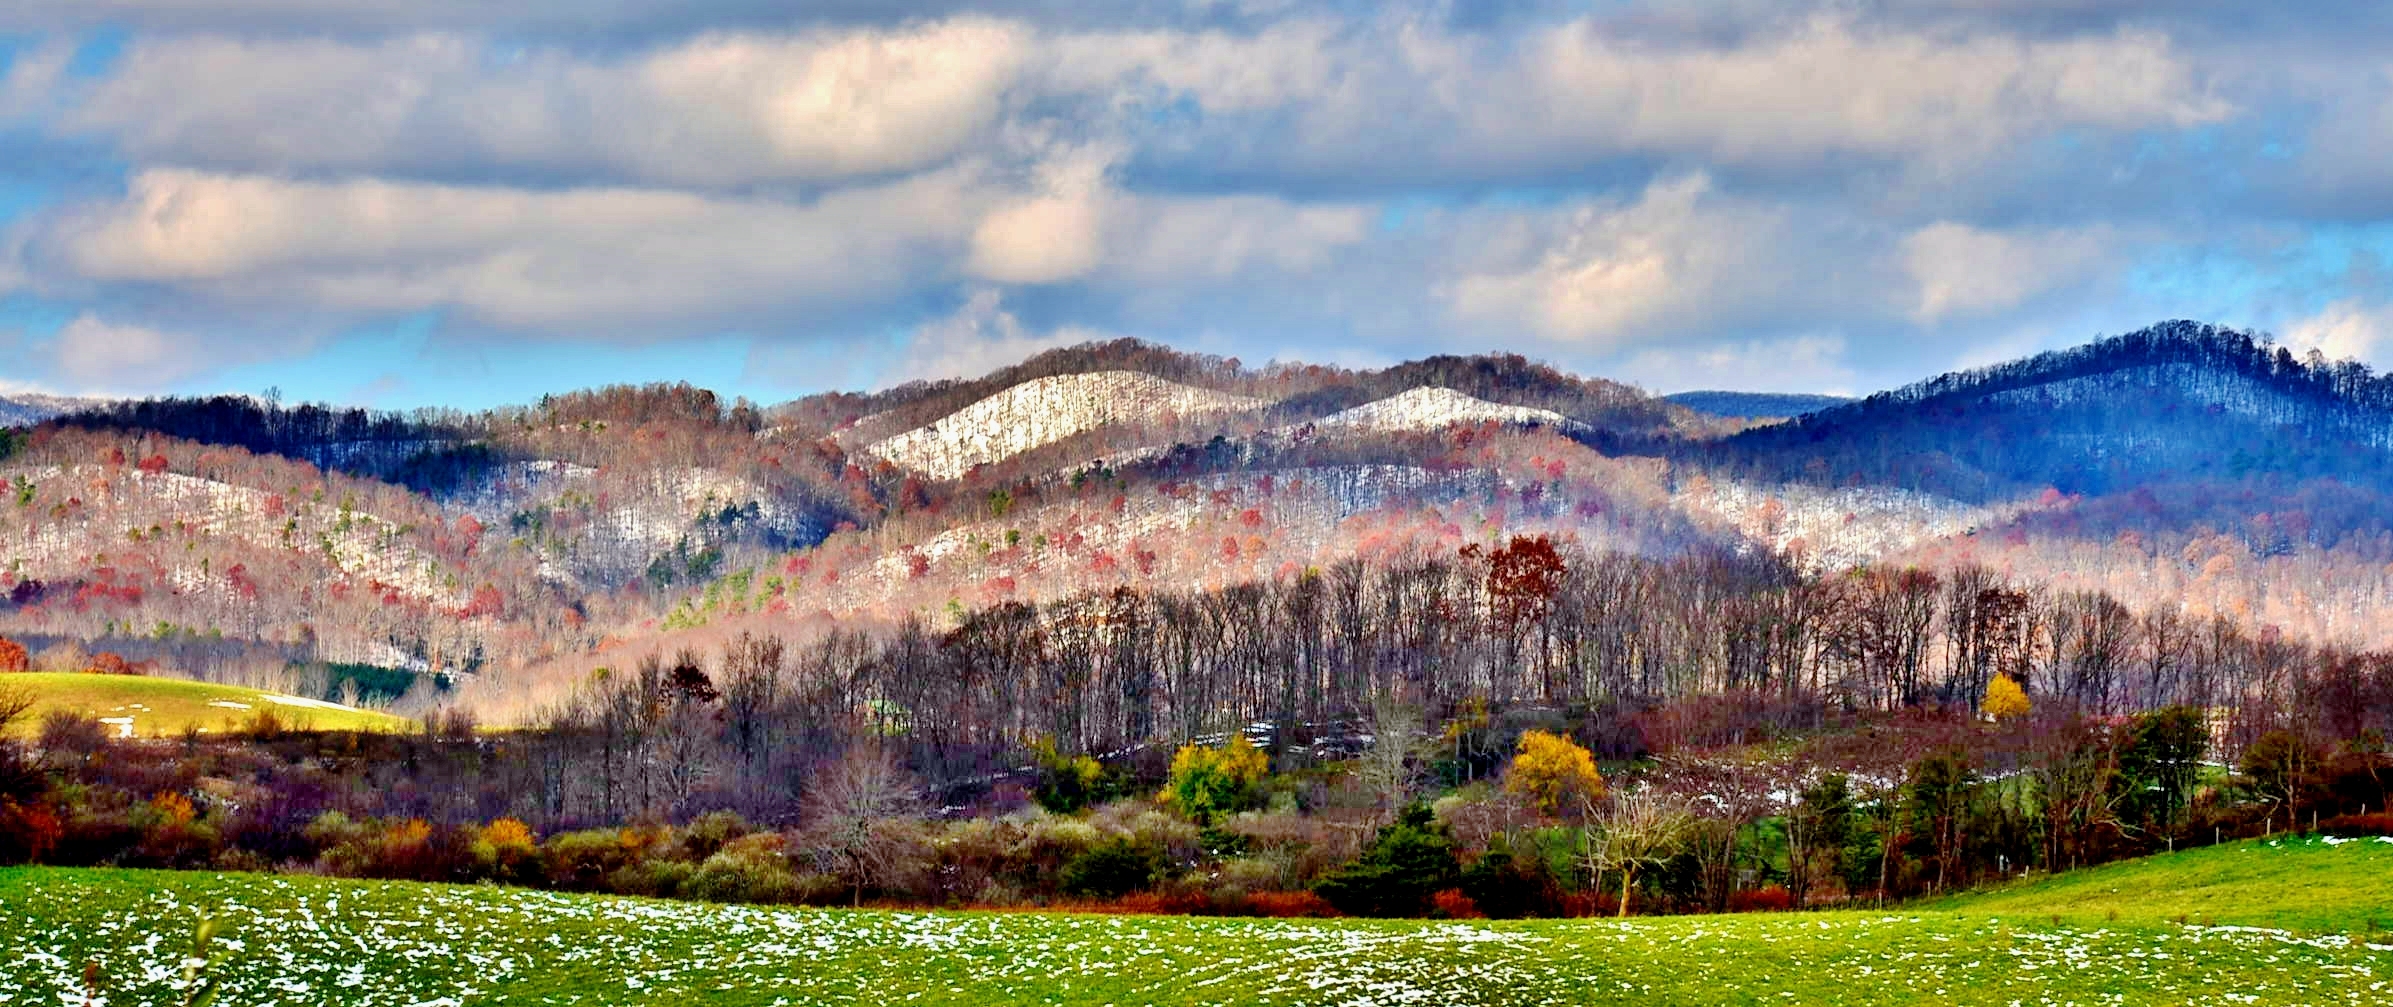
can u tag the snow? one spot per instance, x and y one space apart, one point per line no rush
1432 407
1046 410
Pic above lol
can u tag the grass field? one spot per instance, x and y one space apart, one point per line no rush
137 706
318 941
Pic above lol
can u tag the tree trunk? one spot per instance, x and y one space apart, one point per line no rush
1627 875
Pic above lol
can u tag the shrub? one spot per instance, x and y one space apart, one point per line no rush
662 879
1207 783
505 850
1410 859
28 832
1508 886
2377 824
1067 783
1772 899
709 832
582 861
1290 905
13 658
1111 870
65 732
1452 904
750 869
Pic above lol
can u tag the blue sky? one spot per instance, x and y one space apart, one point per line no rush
446 202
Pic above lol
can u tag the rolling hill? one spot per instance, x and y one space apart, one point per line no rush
401 943
2182 466
135 706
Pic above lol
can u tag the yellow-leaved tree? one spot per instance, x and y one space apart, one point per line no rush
2004 699
1553 772
1207 783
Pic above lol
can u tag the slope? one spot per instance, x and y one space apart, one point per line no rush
1045 410
137 707
371 943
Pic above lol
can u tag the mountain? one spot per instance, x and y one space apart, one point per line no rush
1754 405
2180 400
2183 466
27 409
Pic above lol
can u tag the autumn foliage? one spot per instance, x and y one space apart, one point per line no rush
13 658
1553 772
2005 699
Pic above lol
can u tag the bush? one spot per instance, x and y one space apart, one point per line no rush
2355 826
1111 870
582 861
1508 886
750 869
661 879
505 850
710 832
1207 783
1067 783
1452 904
28 832
1772 899
13 658
1409 861
1554 773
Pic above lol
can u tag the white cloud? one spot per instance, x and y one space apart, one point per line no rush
585 260
91 353
1962 270
715 110
2349 329
1052 236
1813 363
979 338
1609 275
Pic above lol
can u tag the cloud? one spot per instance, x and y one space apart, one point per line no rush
1964 270
90 353
1053 236
597 260
2349 329
1605 276
979 337
1812 363
716 110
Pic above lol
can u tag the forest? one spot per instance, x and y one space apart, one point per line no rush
1496 732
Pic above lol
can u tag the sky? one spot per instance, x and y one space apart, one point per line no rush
402 203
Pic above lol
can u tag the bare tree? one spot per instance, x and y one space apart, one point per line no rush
1636 829
860 813
1388 770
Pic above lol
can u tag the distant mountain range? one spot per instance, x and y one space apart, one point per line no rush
1755 405
2183 465
28 409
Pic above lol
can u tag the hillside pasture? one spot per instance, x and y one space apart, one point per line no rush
305 940
134 706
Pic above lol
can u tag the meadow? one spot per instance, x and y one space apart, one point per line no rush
2298 922
145 707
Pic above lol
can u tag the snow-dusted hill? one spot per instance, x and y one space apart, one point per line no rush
1435 408
27 410
1047 410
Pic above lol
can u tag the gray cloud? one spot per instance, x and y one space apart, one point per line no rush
1830 194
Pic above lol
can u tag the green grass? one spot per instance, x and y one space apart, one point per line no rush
2265 883
166 706
309 940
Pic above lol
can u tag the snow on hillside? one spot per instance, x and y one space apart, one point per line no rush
1830 529
2235 394
1044 411
29 409
1434 408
